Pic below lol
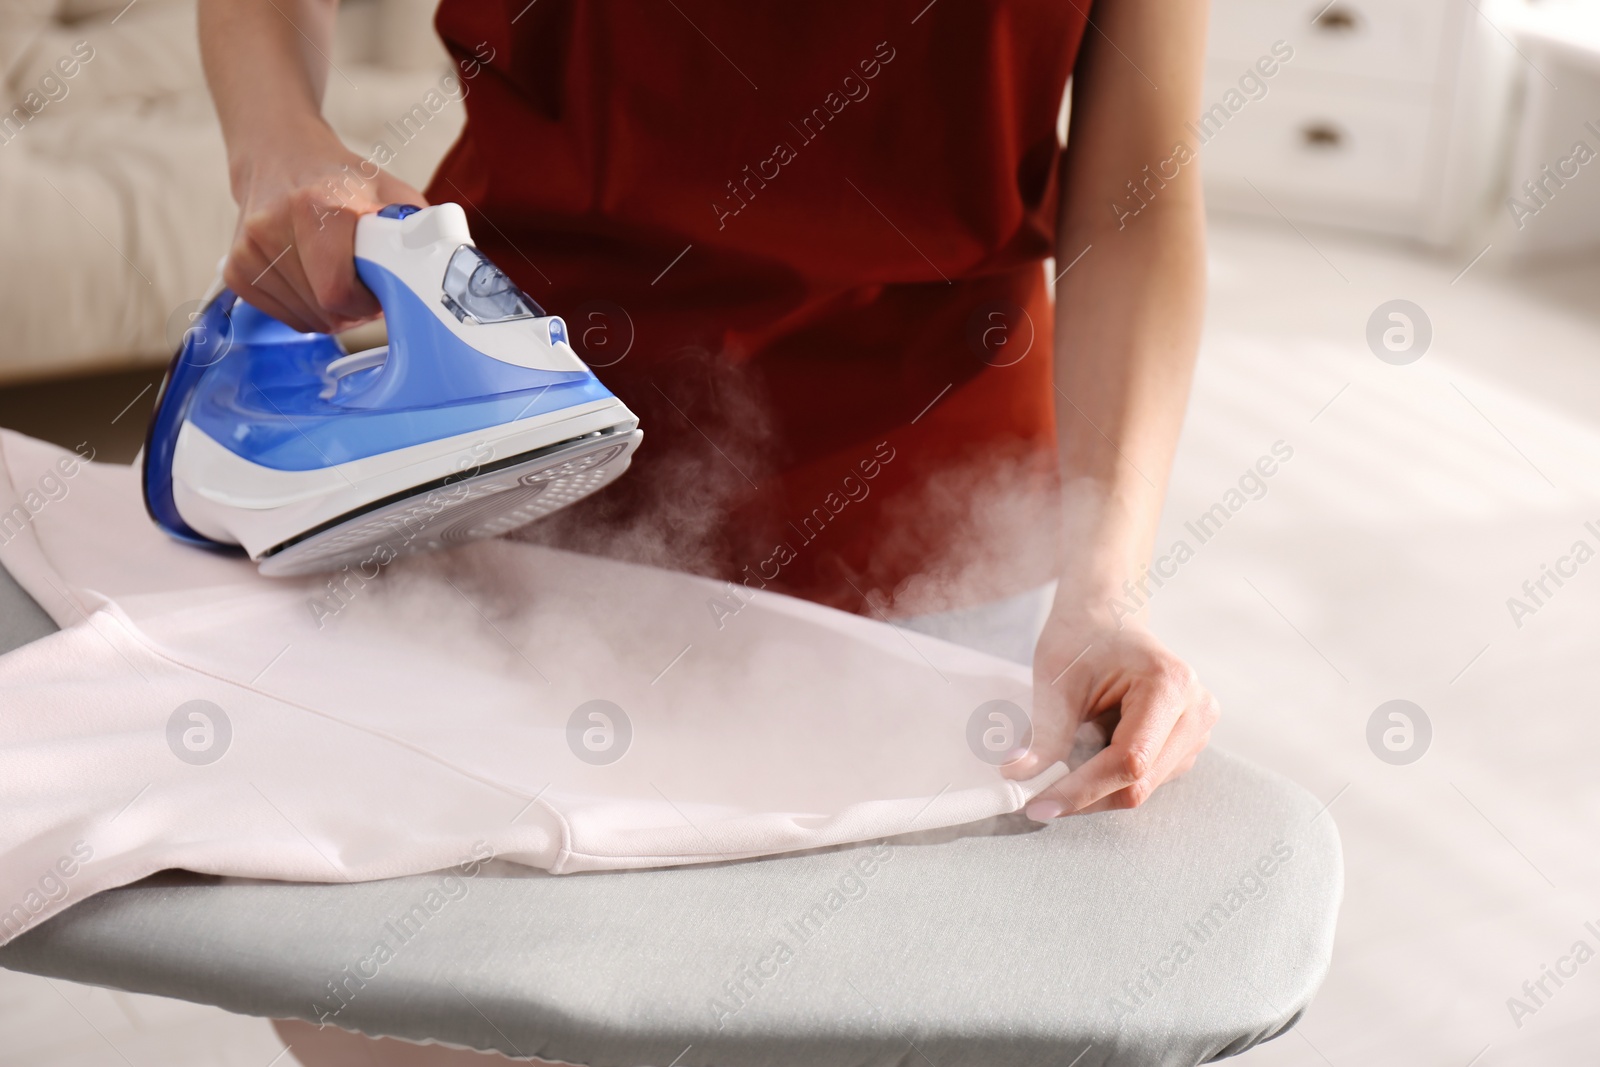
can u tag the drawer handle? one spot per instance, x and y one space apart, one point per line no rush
1337 18
1321 136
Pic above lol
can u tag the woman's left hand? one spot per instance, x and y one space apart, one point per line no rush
1086 665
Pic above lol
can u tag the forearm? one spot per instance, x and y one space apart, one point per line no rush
266 64
1128 319
1128 313
300 190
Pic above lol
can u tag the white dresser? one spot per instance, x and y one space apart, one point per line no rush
1390 115
1552 194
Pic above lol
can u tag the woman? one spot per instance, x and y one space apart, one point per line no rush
814 239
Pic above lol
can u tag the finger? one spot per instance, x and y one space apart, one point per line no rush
1055 714
1150 711
286 268
269 304
1051 735
1184 745
250 274
1186 763
237 273
262 246
1188 738
392 190
1092 736
326 238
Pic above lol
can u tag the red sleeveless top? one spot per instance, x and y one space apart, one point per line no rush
804 243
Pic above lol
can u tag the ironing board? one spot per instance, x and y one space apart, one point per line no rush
1189 930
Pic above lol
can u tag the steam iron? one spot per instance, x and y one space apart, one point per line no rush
475 419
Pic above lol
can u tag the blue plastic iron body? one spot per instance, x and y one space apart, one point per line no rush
264 391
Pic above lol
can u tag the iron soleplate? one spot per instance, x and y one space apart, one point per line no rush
492 501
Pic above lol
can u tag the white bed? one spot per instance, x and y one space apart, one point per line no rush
114 196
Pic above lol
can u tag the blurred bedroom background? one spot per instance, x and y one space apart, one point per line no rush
114 197
1436 152
1413 123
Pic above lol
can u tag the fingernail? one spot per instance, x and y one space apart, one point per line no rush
1043 810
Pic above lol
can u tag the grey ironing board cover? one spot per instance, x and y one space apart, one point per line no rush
1189 930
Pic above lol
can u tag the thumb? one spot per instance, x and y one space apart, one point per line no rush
391 190
1054 717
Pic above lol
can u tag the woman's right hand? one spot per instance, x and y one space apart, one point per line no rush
293 253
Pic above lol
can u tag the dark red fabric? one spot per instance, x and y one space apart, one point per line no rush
807 223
